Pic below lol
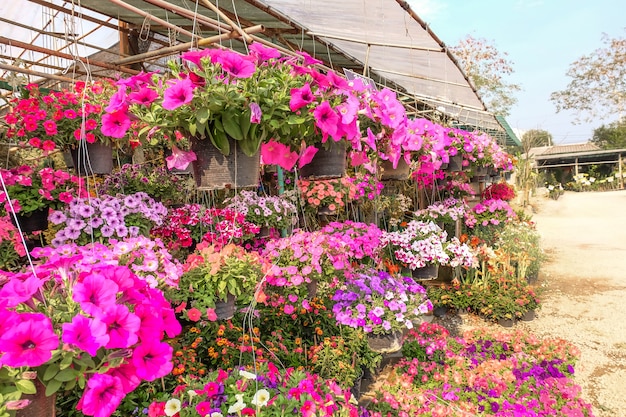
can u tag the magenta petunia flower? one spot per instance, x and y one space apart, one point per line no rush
180 159
102 396
122 327
127 375
179 92
196 56
256 113
95 294
300 97
18 290
30 342
145 96
263 52
306 156
117 101
86 334
152 360
327 120
116 124
276 153
236 65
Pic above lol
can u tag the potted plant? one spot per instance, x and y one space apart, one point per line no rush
381 304
64 119
160 184
217 278
66 324
422 247
106 217
276 212
33 192
12 250
262 390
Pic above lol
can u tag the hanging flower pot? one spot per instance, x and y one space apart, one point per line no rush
40 405
93 158
455 164
33 221
386 342
430 271
327 163
401 172
213 170
225 310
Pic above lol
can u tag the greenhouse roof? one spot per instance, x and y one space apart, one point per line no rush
384 40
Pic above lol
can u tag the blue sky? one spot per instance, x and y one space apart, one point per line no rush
542 38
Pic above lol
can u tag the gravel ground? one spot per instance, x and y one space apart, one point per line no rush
584 282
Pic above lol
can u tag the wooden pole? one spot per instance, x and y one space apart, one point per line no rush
185 46
151 17
8 67
18 44
227 19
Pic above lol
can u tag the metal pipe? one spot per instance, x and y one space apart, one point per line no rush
184 46
227 19
153 18
23 45
35 73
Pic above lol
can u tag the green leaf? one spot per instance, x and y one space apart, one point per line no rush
25 386
203 115
66 375
231 126
66 362
52 387
192 129
51 371
220 140
244 123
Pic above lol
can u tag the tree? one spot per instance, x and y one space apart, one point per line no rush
487 67
598 86
536 137
612 136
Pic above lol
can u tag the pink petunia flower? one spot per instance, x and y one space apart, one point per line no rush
102 396
116 124
152 360
30 342
300 97
236 65
86 334
179 92
180 159
122 327
95 294
327 120
306 156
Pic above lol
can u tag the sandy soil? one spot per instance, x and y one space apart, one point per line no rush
584 235
584 290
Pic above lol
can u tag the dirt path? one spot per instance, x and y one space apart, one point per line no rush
584 235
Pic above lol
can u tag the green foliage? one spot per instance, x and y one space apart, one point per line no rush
536 137
611 136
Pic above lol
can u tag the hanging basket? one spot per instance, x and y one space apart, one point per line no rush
428 272
455 164
311 288
40 405
327 163
385 343
213 170
93 158
33 221
225 310
401 172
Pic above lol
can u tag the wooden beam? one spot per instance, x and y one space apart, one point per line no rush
227 19
23 45
155 19
47 3
35 73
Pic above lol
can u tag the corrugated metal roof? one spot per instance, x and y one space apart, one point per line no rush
577 147
383 39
